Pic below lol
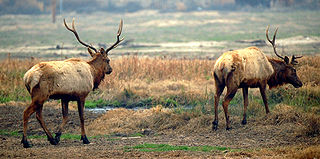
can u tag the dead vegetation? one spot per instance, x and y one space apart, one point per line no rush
161 120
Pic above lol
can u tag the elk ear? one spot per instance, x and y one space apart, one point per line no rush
102 51
90 52
286 59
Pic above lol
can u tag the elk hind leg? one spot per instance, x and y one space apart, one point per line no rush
80 110
230 94
26 114
219 90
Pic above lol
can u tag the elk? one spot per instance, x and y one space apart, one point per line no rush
68 80
250 67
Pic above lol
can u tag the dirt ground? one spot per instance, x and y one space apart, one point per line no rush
266 137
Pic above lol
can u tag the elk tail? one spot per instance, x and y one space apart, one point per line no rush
31 79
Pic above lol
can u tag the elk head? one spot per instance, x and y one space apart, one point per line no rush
102 53
288 72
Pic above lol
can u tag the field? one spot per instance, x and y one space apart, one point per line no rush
165 70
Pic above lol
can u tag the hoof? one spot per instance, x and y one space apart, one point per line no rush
26 144
85 139
53 141
214 126
244 122
228 128
57 137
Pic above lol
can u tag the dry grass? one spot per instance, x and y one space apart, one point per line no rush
187 80
11 83
311 152
158 119
157 77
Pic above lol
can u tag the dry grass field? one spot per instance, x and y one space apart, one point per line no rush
165 69
291 130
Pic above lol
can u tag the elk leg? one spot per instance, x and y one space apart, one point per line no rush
80 110
219 90
230 94
26 114
264 97
245 105
43 125
65 119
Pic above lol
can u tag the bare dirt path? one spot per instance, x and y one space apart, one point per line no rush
255 140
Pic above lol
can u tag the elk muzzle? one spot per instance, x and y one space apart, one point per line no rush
109 70
297 83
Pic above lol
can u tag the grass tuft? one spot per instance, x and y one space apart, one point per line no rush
149 147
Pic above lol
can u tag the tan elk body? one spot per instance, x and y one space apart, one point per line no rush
250 65
250 68
68 80
61 77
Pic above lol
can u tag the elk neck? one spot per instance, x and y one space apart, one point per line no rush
277 78
97 69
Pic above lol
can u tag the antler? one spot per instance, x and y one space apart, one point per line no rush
293 59
76 34
118 38
273 41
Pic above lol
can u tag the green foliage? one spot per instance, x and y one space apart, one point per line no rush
94 104
148 147
136 135
9 133
304 98
17 94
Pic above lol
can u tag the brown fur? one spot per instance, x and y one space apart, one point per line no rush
234 70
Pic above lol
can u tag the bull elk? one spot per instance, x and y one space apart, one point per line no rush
250 67
68 80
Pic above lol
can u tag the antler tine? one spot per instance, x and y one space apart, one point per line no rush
273 41
297 57
267 34
120 28
293 59
76 34
118 38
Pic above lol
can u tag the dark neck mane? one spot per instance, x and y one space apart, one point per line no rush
276 79
97 68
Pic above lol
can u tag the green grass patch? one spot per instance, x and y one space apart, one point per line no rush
136 135
149 147
63 136
9 133
302 98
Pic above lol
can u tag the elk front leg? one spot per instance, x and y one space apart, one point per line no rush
81 110
65 118
26 114
245 105
264 97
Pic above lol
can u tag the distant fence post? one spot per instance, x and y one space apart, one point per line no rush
53 5
61 6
